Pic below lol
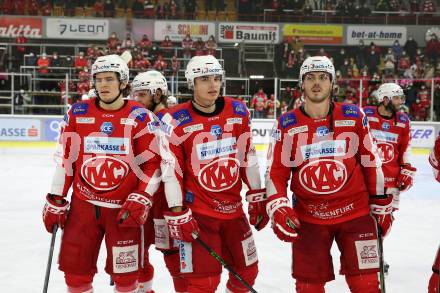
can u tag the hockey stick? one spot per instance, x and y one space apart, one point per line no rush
223 263
49 261
381 263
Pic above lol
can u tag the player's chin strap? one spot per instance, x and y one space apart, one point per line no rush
200 105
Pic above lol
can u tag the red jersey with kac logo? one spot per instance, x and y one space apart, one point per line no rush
106 155
207 158
392 137
332 162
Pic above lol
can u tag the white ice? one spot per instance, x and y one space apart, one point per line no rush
25 176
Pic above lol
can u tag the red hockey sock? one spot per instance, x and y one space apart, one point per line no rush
249 274
79 283
203 285
307 287
433 283
172 261
367 283
146 274
125 283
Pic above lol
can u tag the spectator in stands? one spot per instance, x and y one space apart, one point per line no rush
175 65
341 8
19 6
360 56
307 10
287 94
33 7
55 61
428 6
272 106
21 99
382 5
160 11
98 9
172 9
411 48
141 62
211 46
258 103
167 47
20 50
46 8
160 64
322 52
83 85
404 63
69 8
187 44
432 49
397 50
149 9
414 6
81 63
199 47
190 8
220 6
128 43
7 7
344 67
109 8
373 61
43 64
338 59
112 41
67 62
289 64
390 63
137 7
208 6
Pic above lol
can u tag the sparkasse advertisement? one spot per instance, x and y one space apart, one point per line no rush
248 32
379 35
20 129
70 28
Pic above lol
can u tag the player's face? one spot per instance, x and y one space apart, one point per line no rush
145 98
108 86
317 86
207 89
394 103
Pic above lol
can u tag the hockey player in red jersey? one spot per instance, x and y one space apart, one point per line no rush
327 150
101 143
208 156
434 160
150 88
391 131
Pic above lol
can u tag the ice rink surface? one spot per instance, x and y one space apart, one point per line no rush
25 176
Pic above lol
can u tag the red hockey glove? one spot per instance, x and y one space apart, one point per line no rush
134 211
55 211
381 209
182 225
434 156
406 177
257 208
285 222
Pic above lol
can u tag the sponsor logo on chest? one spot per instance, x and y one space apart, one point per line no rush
345 123
234 121
217 148
106 145
296 130
85 120
193 128
384 135
327 148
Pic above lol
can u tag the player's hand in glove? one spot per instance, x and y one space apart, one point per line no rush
181 225
257 208
381 209
55 211
285 222
134 211
406 177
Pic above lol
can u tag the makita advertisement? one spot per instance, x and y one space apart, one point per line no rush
84 29
254 33
12 27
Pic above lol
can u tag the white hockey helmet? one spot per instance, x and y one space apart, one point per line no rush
171 101
150 80
389 90
317 64
202 66
111 63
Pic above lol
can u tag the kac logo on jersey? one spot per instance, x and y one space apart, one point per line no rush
107 128
79 109
386 151
104 172
323 176
238 108
385 126
216 130
322 131
220 174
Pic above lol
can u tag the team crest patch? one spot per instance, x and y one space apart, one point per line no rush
80 109
386 125
350 111
367 255
322 131
287 120
182 117
216 130
139 113
239 108
369 111
107 128
125 259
